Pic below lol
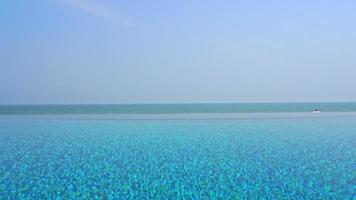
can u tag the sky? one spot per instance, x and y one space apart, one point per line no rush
159 51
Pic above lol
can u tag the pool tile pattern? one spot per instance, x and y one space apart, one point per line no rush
182 159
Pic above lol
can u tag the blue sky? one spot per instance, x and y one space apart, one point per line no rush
91 51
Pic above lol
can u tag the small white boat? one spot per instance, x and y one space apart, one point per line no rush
316 110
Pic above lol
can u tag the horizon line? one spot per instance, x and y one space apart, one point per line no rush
171 103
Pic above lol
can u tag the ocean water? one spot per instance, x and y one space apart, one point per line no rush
192 158
179 108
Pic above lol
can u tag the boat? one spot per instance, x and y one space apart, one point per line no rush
316 110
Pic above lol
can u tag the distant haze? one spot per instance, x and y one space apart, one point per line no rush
108 51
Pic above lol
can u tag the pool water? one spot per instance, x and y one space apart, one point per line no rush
311 158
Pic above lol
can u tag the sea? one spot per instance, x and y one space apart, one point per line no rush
178 151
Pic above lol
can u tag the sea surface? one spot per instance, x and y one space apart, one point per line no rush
178 108
256 155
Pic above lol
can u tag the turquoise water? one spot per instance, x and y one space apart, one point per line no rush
179 108
284 158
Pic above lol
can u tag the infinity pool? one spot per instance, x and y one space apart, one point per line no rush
277 158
